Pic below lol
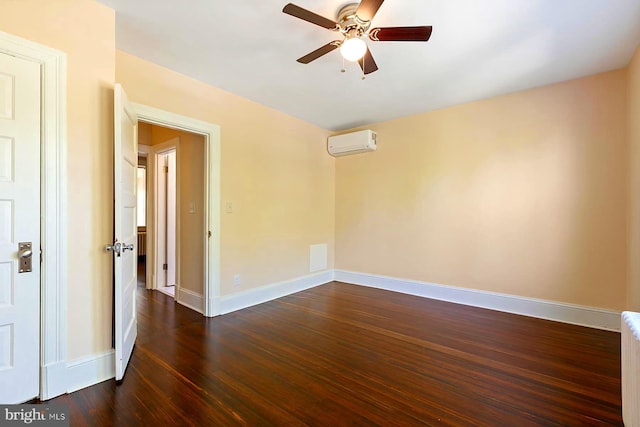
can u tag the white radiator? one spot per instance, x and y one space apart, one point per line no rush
142 243
631 369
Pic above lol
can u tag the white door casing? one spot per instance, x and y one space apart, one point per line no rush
19 222
125 228
211 132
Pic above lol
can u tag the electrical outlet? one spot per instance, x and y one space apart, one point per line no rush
236 279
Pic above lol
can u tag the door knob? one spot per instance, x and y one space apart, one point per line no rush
25 253
115 248
118 248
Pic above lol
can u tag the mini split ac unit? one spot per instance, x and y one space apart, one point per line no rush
352 143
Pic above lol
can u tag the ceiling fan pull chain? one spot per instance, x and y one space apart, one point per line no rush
364 64
343 70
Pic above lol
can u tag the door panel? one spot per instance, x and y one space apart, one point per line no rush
160 160
171 219
125 229
161 221
19 222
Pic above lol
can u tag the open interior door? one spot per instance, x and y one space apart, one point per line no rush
125 229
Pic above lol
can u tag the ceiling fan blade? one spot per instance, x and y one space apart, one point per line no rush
367 63
401 34
368 9
320 52
306 15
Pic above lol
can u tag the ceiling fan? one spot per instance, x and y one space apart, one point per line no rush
353 22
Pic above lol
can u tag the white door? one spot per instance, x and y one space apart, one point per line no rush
164 212
171 218
125 228
161 265
19 222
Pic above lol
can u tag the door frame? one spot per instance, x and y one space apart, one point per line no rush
211 133
53 225
156 152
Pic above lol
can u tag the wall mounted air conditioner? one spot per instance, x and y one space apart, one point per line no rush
352 143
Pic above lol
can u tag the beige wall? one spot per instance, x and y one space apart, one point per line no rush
144 133
524 194
275 171
633 296
84 30
191 158
192 225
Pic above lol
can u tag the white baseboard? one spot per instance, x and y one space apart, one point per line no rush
53 380
191 299
90 370
240 300
543 309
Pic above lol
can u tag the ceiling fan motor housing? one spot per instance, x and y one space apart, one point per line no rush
350 25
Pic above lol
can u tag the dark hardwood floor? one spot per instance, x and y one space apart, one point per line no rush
345 355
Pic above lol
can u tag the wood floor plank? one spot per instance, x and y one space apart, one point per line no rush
348 355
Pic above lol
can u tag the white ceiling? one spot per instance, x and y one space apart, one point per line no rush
479 49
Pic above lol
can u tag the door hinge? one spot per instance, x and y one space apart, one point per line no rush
209 233
166 169
165 267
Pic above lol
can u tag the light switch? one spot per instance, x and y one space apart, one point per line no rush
229 207
192 207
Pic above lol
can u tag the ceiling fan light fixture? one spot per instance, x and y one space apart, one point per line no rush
353 49
352 23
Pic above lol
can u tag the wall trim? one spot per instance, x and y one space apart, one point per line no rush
190 299
550 310
248 298
53 381
90 370
53 185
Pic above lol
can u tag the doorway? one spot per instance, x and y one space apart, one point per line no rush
174 227
166 214
211 301
141 213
